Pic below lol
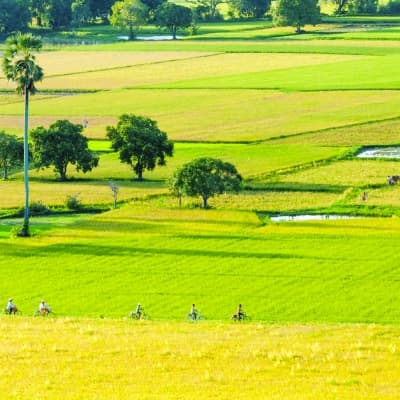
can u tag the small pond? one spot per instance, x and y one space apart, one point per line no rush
310 217
380 152
154 37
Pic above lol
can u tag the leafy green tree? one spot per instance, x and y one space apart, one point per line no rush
20 67
296 13
152 6
363 6
11 152
52 13
15 15
80 12
249 8
340 5
205 177
128 14
140 143
173 16
60 145
39 11
207 10
60 14
100 9
392 7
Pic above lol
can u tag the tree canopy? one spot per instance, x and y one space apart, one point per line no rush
205 177
296 13
129 14
15 15
11 152
249 8
173 16
60 145
140 143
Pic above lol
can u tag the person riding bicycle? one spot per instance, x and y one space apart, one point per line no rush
193 314
44 308
139 311
240 313
11 308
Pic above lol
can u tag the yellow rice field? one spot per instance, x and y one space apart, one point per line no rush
187 66
53 193
123 359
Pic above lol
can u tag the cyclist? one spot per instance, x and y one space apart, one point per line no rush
240 313
44 308
138 312
11 308
193 314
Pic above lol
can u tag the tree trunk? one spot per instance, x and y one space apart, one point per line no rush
25 228
174 32
63 173
131 33
204 198
5 173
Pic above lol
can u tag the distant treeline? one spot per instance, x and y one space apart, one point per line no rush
19 15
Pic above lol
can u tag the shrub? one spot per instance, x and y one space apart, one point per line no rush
37 207
72 202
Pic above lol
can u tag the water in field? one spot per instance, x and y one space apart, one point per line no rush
154 37
310 217
380 152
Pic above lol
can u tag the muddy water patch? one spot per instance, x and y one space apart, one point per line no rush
309 217
380 152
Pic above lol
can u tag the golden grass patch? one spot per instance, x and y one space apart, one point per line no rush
375 133
115 359
53 193
181 68
359 173
271 201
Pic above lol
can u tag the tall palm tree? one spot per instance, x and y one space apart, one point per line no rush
19 66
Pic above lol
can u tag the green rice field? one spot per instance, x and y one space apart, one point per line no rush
291 112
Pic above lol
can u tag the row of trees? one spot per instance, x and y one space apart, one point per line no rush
140 144
17 15
389 7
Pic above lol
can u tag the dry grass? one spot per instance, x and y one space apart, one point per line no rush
53 193
270 201
105 359
386 132
190 67
352 173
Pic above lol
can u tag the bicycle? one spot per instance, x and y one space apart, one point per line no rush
141 315
13 311
45 312
243 317
194 316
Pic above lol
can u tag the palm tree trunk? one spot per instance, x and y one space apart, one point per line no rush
25 228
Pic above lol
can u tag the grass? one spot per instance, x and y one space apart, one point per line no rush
323 294
84 358
359 172
166 67
223 115
93 187
370 133
167 258
363 74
